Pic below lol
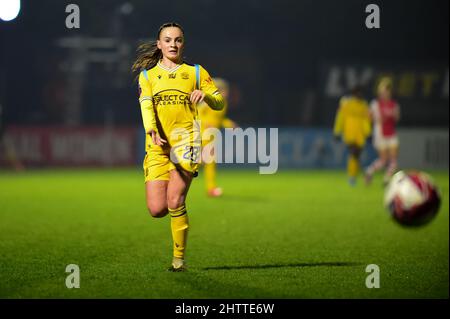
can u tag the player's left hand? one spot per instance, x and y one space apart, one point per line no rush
197 96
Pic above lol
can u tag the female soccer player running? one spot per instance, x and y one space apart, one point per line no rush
385 113
169 91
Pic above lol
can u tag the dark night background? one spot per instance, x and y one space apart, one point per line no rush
273 52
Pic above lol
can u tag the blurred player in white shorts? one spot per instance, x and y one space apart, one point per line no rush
385 114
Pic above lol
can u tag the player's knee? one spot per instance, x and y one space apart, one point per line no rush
382 160
157 211
393 162
356 155
175 200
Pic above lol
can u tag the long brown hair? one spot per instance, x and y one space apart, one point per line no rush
148 54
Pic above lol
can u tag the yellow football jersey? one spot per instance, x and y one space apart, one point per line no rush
352 120
164 98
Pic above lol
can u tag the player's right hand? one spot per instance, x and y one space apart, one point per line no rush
156 139
197 96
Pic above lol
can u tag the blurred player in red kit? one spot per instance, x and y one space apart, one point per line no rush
385 114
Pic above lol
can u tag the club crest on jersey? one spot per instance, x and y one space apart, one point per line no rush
159 77
185 76
172 75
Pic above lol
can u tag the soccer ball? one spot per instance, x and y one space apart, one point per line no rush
412 198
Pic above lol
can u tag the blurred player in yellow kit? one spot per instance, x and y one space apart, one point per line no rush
217 119
352 125
170 90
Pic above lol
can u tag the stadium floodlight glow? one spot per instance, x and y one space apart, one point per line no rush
9 9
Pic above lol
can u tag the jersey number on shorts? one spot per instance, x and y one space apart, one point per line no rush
191 153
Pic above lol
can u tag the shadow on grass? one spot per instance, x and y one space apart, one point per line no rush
317 264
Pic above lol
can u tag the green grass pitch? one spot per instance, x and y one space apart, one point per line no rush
295 234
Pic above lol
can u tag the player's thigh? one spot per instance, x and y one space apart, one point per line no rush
393 152
178 187
156 196
383 153
393 148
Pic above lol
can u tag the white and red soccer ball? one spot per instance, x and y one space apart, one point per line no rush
412 198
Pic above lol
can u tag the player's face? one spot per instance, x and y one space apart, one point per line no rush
171 43
385 93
